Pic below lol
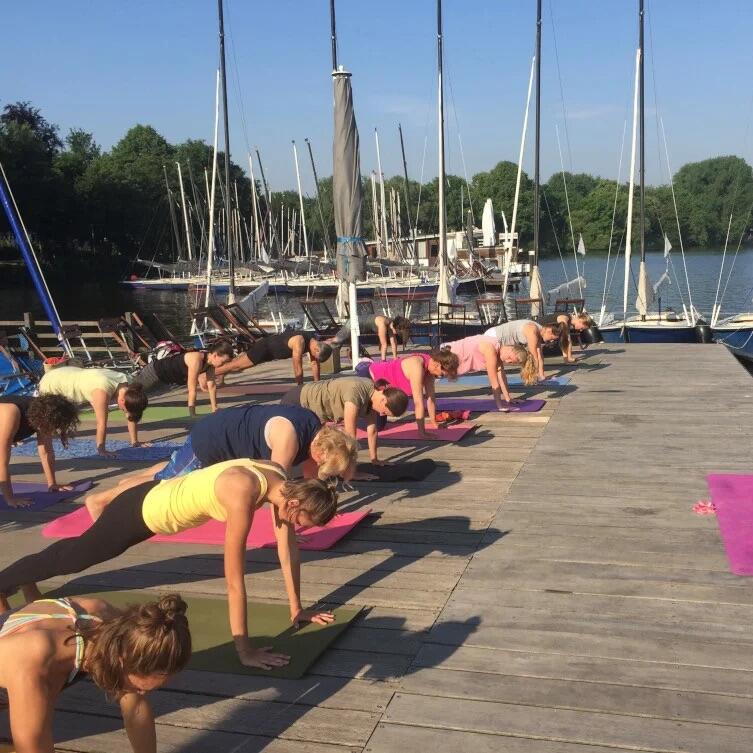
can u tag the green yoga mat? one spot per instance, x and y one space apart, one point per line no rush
268 625
152 414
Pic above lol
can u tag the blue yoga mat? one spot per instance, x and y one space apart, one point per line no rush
40 497
482 380
86 448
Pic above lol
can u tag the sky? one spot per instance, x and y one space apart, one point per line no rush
104 66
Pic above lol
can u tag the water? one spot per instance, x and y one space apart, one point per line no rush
94 301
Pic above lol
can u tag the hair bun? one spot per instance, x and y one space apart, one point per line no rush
171 606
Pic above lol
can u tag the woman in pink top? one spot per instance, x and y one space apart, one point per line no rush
484 353
415 375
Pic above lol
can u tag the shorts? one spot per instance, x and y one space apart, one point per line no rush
292 397
181 462
147 378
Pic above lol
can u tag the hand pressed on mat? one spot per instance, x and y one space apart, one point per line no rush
259 658
317 616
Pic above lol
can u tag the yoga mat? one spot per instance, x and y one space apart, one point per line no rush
407 432
87 448
732 495
213 532
268 625
412 470
513 380
39 495
256 388
151 414
484 405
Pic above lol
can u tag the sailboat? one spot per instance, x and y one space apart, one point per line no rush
650 325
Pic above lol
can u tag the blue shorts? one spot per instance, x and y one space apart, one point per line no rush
182 461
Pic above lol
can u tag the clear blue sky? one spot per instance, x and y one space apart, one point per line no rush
104 65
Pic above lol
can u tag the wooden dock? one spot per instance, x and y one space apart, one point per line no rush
552 592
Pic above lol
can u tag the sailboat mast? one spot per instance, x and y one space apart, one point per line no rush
300 199
189 239
228 218
173 219
411 234
325 230
443 292
642 155
537 141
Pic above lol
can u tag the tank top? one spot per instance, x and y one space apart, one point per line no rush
275 347
173 369
22 402
392 371
469 356
10 622
189 501
239 432
78 384
512 333
327 398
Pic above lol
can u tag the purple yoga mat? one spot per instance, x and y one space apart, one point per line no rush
39 495
484 405
732 495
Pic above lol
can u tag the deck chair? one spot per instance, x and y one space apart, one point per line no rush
211 324
320 317
20 369
419 310
133 345
249 325
491 310
152 328
523 307
452 321
568 305
363 308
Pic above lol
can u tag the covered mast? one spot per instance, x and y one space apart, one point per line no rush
444 292
347 191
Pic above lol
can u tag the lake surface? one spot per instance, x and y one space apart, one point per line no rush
94 301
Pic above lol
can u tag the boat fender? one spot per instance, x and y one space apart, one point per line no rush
703 334
591 335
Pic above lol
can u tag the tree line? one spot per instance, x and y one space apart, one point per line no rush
94 210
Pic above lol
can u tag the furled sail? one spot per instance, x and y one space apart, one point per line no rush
645 298
488 225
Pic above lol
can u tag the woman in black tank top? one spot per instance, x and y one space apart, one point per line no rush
193 369
288 344
22 417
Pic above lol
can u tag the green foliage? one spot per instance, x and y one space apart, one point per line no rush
83 205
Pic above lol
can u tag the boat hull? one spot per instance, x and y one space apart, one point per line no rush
738 340
666 333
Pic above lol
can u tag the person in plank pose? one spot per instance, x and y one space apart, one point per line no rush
576 322
415 375
98 387
376 324
529 333
347 399
289 344
193 369
484 353
22 417
50 644
285 434
229 492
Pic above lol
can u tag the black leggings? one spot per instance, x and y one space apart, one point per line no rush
119 527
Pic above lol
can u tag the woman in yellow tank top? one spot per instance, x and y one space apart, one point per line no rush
229 492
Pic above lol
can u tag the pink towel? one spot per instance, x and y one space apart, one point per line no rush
213 532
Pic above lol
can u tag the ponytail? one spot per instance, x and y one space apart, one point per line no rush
528 370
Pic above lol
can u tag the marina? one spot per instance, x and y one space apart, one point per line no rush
553 587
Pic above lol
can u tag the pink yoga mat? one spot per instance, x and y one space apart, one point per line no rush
255 388
407 432
484 405
213 532
732 496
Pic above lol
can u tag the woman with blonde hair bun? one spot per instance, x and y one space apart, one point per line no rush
50 644
484 353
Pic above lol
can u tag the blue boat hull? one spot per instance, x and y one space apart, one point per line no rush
650 334
739 341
